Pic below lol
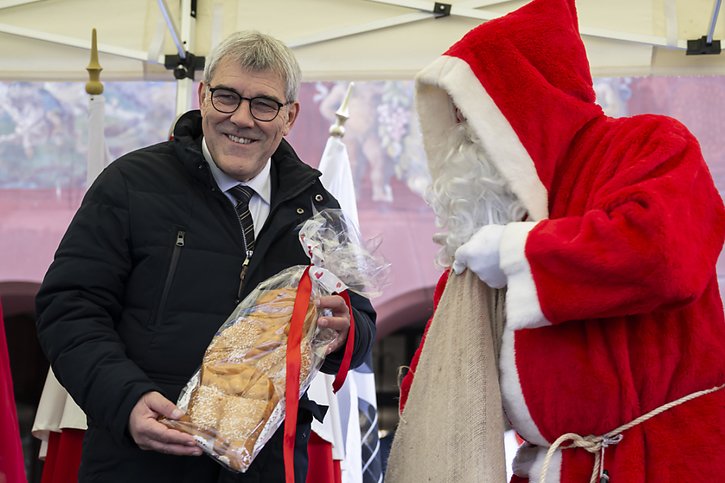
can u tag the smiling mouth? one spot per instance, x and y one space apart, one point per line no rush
239 140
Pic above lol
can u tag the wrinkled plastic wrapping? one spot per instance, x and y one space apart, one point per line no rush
235 402
333 243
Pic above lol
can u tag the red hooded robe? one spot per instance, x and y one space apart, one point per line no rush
613 307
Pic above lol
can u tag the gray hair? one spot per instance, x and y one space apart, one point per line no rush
256 51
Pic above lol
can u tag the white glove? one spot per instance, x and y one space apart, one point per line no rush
481 255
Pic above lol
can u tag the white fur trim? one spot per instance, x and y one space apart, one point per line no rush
449 78
554 473
513 400
523 310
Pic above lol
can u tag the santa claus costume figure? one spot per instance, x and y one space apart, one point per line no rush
606 234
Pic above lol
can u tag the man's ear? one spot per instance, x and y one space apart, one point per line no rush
201 91
293 111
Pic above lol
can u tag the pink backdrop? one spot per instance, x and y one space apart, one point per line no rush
42 165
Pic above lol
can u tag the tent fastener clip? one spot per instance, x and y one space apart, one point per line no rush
441 9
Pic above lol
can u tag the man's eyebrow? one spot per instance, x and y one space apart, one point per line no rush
263 96
227 88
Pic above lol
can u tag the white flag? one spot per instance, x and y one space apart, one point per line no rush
98 155
337 177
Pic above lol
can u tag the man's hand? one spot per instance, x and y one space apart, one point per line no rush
339 320
150 434
481 254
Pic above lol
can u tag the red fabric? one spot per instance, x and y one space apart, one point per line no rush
292 386
408 378
349 346
64 456
682 444
550 60
322 467
12 467
612 303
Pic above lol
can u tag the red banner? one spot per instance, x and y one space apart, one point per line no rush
12 468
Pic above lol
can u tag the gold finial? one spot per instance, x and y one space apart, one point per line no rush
342 114
94 86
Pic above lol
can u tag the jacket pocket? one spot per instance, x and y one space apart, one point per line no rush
178 247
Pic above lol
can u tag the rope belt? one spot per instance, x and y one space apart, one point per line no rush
597 444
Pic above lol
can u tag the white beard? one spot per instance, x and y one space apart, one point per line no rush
466 193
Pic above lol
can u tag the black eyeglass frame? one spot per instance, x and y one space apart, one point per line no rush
251 100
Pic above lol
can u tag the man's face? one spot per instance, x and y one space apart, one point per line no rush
240 144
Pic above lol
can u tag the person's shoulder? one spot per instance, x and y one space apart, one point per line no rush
146 155
285 152
656 126
147 163
646 136
287 160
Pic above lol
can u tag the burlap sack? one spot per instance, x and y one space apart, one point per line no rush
452 427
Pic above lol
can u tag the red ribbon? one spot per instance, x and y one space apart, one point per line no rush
349 345
294 363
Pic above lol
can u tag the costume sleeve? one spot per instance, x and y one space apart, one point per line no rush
79 302
647 237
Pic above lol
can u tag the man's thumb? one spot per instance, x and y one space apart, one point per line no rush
163 406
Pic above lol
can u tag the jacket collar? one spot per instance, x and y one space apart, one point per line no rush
290 176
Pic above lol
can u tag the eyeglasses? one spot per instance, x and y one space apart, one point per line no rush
227 101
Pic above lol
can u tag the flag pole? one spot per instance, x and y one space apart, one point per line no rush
98 156
342 114
94 86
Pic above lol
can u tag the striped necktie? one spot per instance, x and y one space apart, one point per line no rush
243 194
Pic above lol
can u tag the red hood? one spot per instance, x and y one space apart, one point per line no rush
523 83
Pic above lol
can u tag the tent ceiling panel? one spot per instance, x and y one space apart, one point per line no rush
334 39
382 54
122 23
608 58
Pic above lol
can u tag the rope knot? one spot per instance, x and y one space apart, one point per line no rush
591 443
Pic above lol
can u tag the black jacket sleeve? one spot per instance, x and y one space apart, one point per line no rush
364 316
81 299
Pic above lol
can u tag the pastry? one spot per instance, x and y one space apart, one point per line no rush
242 378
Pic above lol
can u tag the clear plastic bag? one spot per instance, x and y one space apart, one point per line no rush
236 400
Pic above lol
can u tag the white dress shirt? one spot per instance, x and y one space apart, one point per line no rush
261 184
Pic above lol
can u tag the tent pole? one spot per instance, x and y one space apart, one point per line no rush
185 86
171 25
74 42
713 21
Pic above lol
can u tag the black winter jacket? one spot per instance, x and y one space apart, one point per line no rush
146 273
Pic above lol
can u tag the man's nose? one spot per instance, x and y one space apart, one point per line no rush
243 115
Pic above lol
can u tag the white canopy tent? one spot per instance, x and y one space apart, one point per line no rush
333 39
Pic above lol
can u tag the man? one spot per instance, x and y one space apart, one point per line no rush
612 359
156 258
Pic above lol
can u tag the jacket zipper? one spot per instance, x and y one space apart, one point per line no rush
242 274
245 263
178 245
